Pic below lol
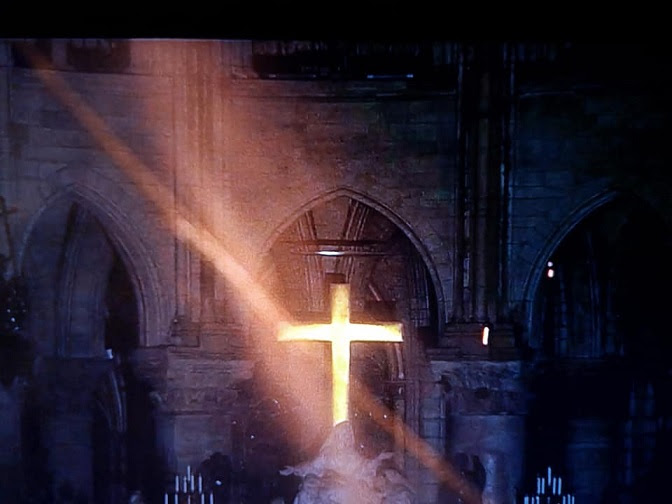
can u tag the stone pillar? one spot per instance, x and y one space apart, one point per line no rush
482 207
68 439
588 458
187 178
68 387
498 442
10 439
195 396
432 432
484 429
199 184
481 192
150 365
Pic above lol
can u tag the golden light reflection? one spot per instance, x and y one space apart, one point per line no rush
196 234
340 333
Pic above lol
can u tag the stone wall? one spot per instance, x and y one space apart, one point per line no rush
292 144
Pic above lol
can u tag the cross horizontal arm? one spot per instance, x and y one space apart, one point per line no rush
313 332
375 332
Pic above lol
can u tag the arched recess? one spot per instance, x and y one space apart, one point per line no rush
41 260
601 211
538 268
601 373
343 236
600 293
389 214
92 287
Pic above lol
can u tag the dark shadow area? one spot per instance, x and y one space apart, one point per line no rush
601 385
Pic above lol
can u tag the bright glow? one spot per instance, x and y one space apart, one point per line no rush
550 273
486 335
549 264
329 252
340 333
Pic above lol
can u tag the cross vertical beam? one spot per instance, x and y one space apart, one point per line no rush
340 333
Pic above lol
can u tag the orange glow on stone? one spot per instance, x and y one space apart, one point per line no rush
340 333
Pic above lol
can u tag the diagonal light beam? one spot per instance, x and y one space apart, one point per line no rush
196 235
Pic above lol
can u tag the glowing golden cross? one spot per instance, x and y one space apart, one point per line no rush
340 333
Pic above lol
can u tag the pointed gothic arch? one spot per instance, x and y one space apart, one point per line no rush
601 356
382 282
92 286
126 241
603 204
538 267
405 227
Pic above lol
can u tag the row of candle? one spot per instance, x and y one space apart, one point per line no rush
188 488
202 501
534 499
551 484
554 485
188 482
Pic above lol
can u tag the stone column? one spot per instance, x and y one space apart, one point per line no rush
478 190
10 439
432 432
485 423
199 184
481 198
483 250
150 365
195 395
588 458
186 185
5 129
68 387
497 441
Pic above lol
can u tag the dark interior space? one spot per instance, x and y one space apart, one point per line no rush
175 212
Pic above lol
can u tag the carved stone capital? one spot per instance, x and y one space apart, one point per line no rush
483 388
190 380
